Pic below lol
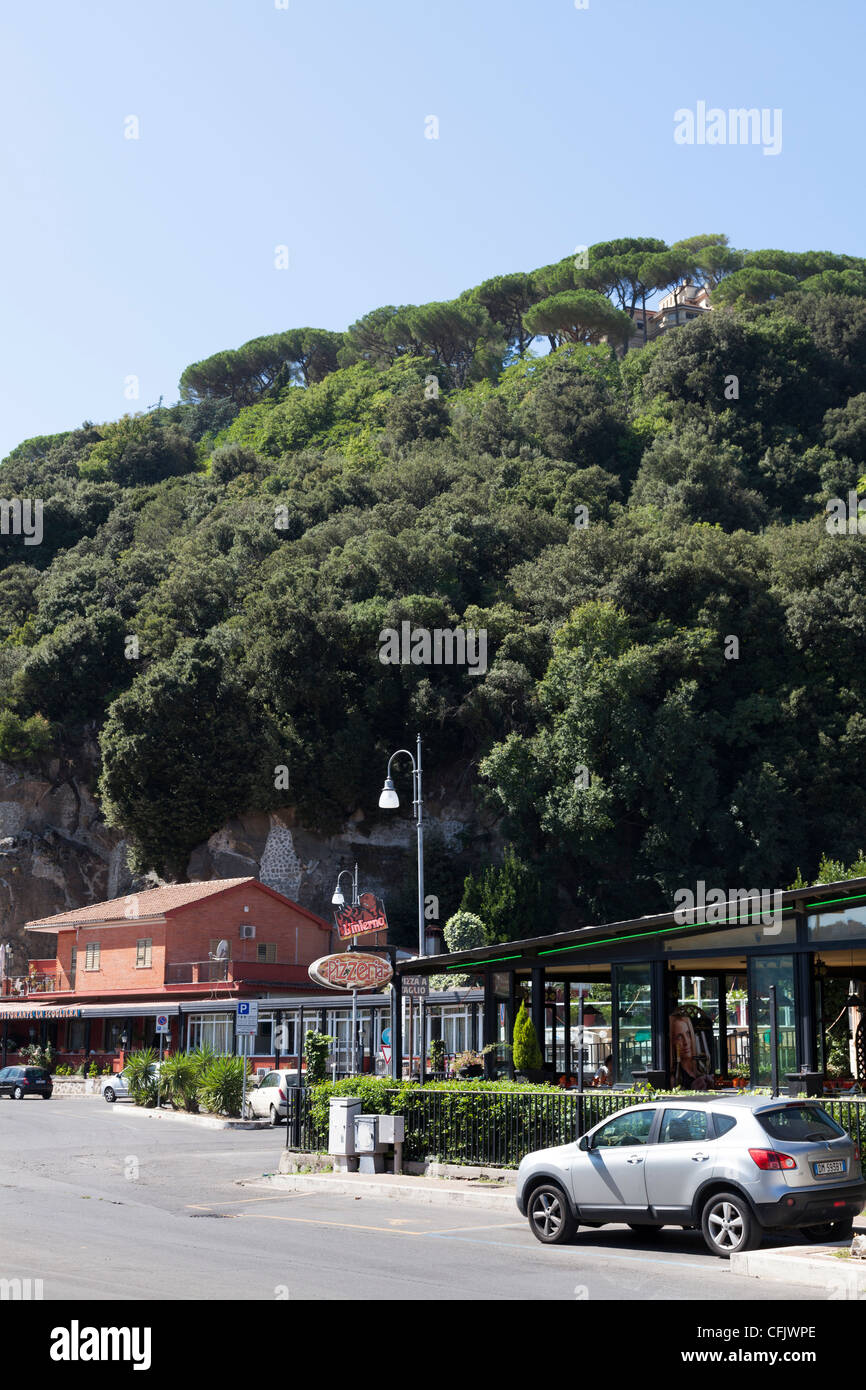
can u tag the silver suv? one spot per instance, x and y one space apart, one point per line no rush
734 1167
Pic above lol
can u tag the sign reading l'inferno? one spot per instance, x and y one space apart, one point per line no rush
354 970
366 915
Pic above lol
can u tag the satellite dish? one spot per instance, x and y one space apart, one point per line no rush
222 950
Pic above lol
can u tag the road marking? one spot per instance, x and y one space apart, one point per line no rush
245 1201
469 1240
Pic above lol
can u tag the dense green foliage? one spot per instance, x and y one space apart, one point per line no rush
675 679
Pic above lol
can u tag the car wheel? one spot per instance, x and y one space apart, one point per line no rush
550 1218
273 1117
109 1094
18 1093
47 1097
728 1225
829 1231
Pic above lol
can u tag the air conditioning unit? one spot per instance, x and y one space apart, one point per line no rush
247 933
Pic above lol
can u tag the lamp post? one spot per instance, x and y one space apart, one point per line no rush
389 801
338 901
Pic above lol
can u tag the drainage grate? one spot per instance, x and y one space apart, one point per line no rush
214 1215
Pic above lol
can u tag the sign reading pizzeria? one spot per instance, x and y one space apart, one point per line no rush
367 915
354 970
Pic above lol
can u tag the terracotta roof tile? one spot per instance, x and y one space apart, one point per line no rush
153 902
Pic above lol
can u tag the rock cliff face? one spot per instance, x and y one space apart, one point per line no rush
56 852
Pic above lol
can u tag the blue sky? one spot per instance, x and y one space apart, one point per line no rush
305 126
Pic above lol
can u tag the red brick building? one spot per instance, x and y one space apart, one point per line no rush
188 950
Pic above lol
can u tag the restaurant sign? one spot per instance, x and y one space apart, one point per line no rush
367 915
354 970
57 1012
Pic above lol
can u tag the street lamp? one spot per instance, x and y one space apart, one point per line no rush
389 801
339 901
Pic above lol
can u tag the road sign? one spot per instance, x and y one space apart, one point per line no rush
162 1023
352 970
416 986
247 1024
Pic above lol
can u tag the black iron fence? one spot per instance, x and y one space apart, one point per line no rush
496 1128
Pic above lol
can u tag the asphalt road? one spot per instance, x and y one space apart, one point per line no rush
99 1202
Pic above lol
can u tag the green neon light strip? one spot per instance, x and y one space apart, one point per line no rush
612 940
828 901
494 961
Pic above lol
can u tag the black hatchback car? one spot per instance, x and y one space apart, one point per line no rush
19 1082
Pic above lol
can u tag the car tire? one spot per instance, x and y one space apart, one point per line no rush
18 1093
828 1232
109 1094
728 1225
273 1117
48 1097
549 1214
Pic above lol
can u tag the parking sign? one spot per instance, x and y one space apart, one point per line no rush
247 1024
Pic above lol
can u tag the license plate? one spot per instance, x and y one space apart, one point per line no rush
835 1165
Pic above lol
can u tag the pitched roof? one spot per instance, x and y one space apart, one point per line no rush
155 902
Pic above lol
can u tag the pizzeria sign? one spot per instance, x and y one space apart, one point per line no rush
351 970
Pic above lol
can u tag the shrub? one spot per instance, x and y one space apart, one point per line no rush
93 1069
316 1047
527 1053
220 1086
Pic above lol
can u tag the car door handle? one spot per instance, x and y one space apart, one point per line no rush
635 1158
699 1158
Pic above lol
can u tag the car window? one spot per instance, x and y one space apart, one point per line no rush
799 1122
272 1079
4 1073
631 1128
679 1125
723 1123
35 1073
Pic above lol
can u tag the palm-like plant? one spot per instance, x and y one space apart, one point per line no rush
140 1079
220 1085
179 1080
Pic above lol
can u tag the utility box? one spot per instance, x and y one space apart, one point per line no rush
392 1129
342 1113
368 1144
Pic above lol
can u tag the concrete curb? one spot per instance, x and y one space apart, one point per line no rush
818 1267
426 1191
201 1121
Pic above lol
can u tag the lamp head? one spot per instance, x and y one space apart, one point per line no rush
338 900
389 799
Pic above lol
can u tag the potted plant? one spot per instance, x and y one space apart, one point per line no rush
468 1064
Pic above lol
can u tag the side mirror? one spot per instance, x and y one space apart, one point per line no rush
583 1142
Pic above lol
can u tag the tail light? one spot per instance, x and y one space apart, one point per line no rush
856 1153
282 1094
769 1160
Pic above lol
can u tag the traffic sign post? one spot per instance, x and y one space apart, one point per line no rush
246 1026
162 1027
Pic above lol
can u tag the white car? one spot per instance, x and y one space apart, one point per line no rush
268 1098
115 1087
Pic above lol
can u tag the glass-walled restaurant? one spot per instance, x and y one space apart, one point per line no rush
689 1000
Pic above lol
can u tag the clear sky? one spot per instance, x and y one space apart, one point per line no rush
262 126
